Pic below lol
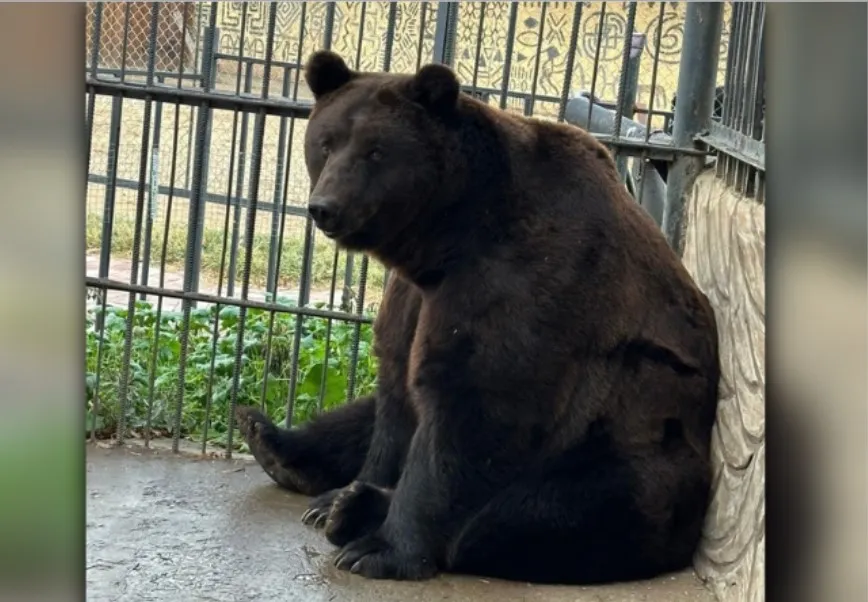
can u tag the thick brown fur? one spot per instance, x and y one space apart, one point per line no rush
549 370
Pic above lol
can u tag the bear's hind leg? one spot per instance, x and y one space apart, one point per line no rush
324 454
576 524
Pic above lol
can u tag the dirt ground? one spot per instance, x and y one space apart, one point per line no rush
176 527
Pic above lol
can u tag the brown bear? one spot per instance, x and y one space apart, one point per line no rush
549 370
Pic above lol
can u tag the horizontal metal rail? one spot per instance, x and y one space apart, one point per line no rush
159 75
194 98
654 152
211 197
310 312
735 144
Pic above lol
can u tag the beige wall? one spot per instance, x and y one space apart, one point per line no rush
725 252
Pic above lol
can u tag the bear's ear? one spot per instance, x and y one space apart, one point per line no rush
436 88
326 72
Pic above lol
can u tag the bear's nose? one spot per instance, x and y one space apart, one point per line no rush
324 212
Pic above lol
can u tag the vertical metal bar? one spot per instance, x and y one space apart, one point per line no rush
390 36
241 48
755 84
328 30
108 214
173 171
97 39
91 99
735 91
124 382
195 224
276 216
255 174
202 153
752 120
361 35
596 70
626 104
571 60
239 190
327 43
349 273
153 193
354 351
444 32
328 338
125 43
480 31
654 71
451 32
209 393
510 44
698 69
304 285
742 64
542 27
742 169
423 14
629 91
350 263
734 47
723 160
757 116
653 203
190 157
99 326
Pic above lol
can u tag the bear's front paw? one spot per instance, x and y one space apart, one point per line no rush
357 510
320 508
375 558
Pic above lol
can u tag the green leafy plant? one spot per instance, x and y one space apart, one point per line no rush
266 373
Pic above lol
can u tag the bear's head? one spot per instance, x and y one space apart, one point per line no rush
380 150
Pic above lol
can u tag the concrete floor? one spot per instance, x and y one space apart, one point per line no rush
176 528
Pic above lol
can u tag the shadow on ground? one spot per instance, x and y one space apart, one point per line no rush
170 527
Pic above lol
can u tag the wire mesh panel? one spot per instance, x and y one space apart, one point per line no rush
209 284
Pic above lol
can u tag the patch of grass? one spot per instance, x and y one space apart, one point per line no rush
265 371
291 254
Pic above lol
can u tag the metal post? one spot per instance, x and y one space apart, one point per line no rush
696 80
627 101
273 249
108 215
153 194
200 162
445 30
347 293
239 189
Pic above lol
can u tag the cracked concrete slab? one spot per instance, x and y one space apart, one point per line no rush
172 527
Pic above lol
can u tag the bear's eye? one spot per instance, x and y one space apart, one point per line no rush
375 155
325 150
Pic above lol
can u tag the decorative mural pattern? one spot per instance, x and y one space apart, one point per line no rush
542 38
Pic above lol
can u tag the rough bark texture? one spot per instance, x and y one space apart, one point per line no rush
725 253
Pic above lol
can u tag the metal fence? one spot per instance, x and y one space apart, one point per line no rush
739 135
209 285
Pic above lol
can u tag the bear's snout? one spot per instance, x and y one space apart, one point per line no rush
325 213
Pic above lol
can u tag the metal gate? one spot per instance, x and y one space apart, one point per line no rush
209 285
